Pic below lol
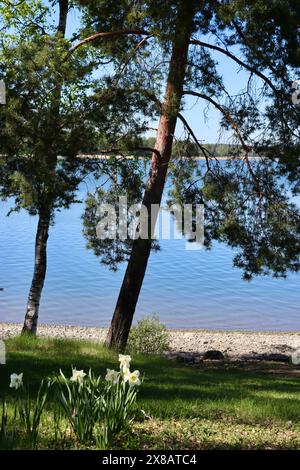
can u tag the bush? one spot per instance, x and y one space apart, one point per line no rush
149 336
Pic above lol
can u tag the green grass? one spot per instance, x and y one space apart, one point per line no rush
183 407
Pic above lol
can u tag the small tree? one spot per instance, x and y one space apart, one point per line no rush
57 109
50 117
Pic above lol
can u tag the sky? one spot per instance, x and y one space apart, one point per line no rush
203 120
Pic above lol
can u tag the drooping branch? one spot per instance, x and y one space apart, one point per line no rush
137 47
257 53
233 124
238 61
191 132
224 112
107 34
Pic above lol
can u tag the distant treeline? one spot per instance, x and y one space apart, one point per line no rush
187 148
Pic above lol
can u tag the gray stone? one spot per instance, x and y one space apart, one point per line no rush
214 355
276 357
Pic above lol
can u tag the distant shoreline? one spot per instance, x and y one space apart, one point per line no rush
234 344
100 156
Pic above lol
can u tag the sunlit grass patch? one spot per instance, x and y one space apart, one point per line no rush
191 407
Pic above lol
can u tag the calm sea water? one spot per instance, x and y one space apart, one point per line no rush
187 289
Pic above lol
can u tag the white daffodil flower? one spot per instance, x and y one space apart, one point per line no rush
78 376
133 378
126 375
16 381
112 376
124 363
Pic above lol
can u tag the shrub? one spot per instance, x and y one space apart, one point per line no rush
149 336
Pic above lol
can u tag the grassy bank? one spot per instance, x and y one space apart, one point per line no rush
183 407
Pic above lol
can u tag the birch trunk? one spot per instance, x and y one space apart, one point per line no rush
40 260
39 274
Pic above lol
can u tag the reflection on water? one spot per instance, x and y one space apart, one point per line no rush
188 289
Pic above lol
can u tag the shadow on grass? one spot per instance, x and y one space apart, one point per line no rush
169 389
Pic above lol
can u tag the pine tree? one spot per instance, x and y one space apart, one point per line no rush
247 205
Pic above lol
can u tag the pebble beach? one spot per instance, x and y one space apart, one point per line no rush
234 345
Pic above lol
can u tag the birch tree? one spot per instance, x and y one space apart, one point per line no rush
53 113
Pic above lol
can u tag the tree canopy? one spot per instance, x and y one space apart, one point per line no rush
242 197
127 66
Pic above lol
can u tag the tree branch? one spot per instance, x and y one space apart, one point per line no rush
232 123
137 47
191 132
63 13
258 54
107 34
238 61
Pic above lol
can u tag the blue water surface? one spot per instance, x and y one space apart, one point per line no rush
187 289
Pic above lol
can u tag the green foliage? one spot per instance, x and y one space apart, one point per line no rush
125 179
254 215
96 410
148 336
281 26
4 416
28 17
34 133
57 109
246 205
274 48
30 411
81 403
117 401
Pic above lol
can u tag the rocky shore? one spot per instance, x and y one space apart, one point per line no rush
191 345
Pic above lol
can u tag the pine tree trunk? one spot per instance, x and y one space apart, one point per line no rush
39 274
133 279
